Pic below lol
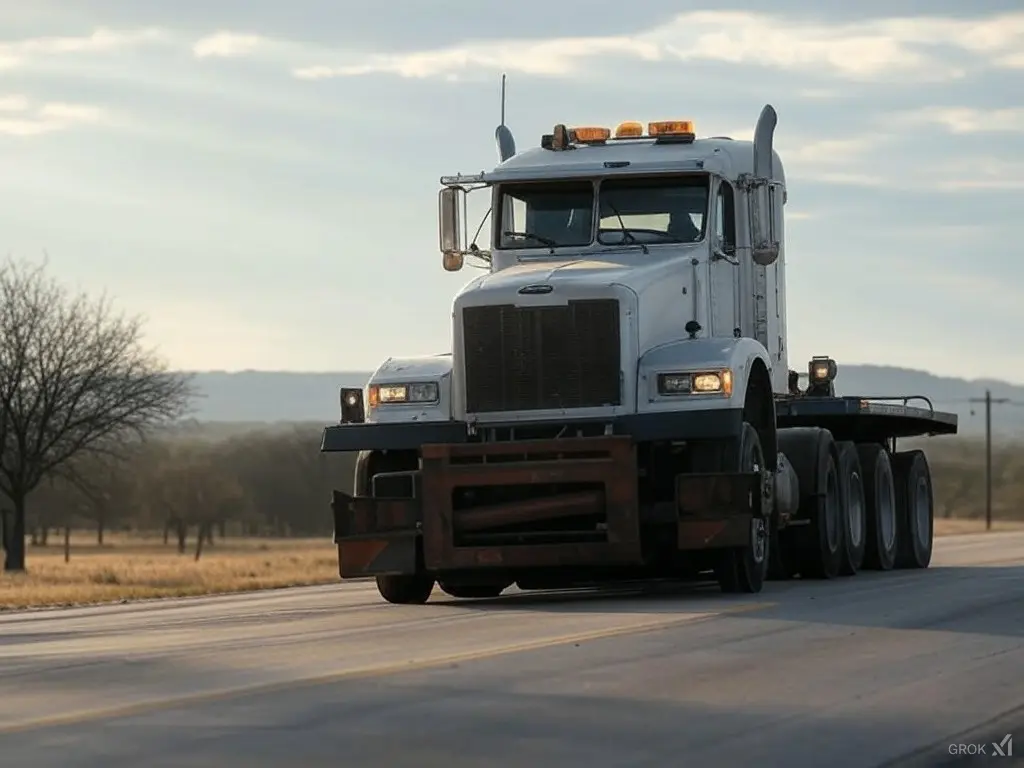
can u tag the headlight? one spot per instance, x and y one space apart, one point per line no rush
413 392
696 383
822 370
352 411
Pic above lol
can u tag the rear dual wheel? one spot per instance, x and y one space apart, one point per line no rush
898 508
866 509
880 494
851 481
915 510
814 545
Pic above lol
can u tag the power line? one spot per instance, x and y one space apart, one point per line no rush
989 401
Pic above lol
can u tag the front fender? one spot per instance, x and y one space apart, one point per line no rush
412 369
696 355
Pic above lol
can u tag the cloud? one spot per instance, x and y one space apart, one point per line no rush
101 40
831 151
18 117
832 161
982 173
963 120
226 45
14 103
916 49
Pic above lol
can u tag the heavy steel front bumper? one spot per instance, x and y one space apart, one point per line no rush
642 427
592 516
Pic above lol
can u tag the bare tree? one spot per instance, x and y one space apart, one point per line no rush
101 486
75 380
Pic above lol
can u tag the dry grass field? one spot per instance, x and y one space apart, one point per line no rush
131 568
135 568
955 526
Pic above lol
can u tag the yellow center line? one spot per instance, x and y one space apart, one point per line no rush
378 670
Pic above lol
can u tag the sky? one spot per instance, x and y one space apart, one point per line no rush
259 179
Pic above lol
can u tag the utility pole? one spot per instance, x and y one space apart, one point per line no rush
988 400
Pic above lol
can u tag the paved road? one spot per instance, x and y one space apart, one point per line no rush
855 672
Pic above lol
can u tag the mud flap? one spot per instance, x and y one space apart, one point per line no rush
375 536
393 555
716 509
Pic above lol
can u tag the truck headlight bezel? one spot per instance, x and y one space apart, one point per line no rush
690 383
405 393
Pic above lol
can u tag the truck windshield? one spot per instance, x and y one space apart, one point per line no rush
665 209
546 214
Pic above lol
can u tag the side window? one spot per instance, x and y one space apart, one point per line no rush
518 220
725 217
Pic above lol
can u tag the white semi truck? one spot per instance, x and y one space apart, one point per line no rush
618 403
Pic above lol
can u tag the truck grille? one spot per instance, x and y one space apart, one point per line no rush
534 358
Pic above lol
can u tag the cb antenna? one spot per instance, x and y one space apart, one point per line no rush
506 144
502 98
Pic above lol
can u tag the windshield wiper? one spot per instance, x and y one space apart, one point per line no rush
627 236
545 240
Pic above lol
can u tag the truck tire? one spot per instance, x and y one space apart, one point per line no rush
915 509
405 588
880 531
852 481
472 590
744 569
815 548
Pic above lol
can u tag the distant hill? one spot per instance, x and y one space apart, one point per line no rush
271 396
256 399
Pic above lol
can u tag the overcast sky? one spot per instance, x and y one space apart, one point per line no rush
259 177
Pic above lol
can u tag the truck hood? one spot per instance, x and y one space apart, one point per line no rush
580 270
633 269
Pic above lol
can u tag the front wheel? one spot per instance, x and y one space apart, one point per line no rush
744 569
405 588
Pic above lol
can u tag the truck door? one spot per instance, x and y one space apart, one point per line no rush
723 269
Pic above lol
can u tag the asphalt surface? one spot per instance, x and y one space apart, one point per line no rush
879 669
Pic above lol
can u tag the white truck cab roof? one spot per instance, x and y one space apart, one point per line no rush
719 155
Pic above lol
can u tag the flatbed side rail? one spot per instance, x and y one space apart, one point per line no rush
866 419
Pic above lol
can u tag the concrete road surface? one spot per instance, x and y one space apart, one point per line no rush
879 669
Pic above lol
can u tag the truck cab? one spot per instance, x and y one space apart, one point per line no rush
660 225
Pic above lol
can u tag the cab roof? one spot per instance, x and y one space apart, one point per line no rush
719 155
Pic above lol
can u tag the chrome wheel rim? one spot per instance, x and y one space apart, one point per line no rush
887 516
921 515
856 509
832 509
758 529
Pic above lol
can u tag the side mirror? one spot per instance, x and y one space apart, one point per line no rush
450 227
764 248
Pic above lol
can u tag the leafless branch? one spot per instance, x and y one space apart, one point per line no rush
75 379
